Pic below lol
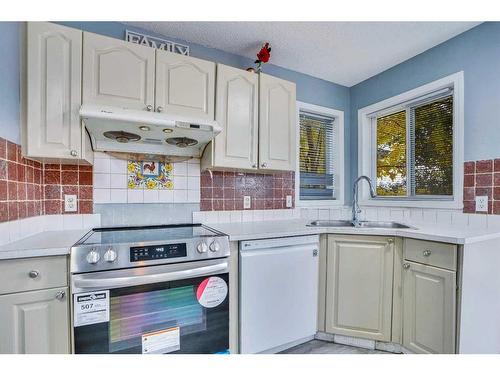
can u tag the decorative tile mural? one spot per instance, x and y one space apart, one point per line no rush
150 175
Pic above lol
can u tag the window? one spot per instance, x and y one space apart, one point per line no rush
415 149
412 145
320 155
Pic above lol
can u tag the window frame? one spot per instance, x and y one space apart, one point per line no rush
338 156
367 151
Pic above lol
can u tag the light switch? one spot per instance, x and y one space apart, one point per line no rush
288 201
70 203
247 201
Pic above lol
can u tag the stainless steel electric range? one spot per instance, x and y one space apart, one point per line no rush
154 289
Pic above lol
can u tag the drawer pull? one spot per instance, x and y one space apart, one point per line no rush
33 274
406 265
427 253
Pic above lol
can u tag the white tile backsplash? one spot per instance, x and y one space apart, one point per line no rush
135 196
408 215
11 231
111 183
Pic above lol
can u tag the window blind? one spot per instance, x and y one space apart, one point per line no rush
415 148
317 136
431 147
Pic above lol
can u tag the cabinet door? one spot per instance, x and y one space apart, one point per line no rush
184 85
35 322
359 286
117 73
277 123
237 113
53 80
428 309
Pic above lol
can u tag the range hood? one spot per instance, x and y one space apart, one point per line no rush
142 135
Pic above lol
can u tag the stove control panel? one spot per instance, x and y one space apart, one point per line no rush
157 252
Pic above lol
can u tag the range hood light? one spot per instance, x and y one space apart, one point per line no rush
145 128
168 130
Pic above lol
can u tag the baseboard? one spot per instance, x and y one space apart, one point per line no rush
362 343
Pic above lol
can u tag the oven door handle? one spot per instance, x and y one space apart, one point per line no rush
132 278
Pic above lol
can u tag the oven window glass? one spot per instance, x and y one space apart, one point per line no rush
150 309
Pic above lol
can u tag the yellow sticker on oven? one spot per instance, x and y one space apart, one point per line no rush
211 292
161 342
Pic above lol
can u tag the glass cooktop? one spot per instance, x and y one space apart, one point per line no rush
100 236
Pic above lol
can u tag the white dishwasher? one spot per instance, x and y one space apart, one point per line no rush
278 293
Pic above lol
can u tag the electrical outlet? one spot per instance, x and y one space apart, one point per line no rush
288 201
247 201
482 203
70 203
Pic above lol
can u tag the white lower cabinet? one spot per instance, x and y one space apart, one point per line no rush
359 286
35 322
429 304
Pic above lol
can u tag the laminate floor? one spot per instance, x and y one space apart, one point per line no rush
324 347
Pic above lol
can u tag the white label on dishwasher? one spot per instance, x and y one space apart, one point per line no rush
211 292
90 308
161 342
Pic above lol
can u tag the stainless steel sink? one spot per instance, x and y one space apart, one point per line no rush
384 224
330 223
363 224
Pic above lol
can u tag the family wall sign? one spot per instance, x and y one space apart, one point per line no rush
158 43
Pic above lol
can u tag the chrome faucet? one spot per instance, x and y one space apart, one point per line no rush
355 206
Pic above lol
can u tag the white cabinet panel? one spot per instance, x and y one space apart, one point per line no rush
237 113
34 322
185 85
117 73
277 123
428 309
52 100
359 286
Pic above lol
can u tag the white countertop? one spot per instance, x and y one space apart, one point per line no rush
287 228
42 244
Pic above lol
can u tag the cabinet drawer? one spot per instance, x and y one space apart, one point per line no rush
46 272
435 254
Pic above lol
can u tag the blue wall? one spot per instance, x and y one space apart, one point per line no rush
9 81
477 53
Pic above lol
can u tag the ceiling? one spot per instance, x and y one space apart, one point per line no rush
342 52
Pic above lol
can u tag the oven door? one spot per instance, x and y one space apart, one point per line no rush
177 308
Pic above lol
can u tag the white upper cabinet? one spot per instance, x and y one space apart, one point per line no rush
117 73
51 92
184 85
237 113
277 123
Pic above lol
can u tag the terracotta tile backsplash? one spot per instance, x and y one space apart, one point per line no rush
482 178
29 188
223 191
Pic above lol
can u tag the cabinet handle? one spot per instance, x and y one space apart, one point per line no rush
33 274
406 265
73 153
149 108
254 165
159 109
390 240
427 253
263 165
60 295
